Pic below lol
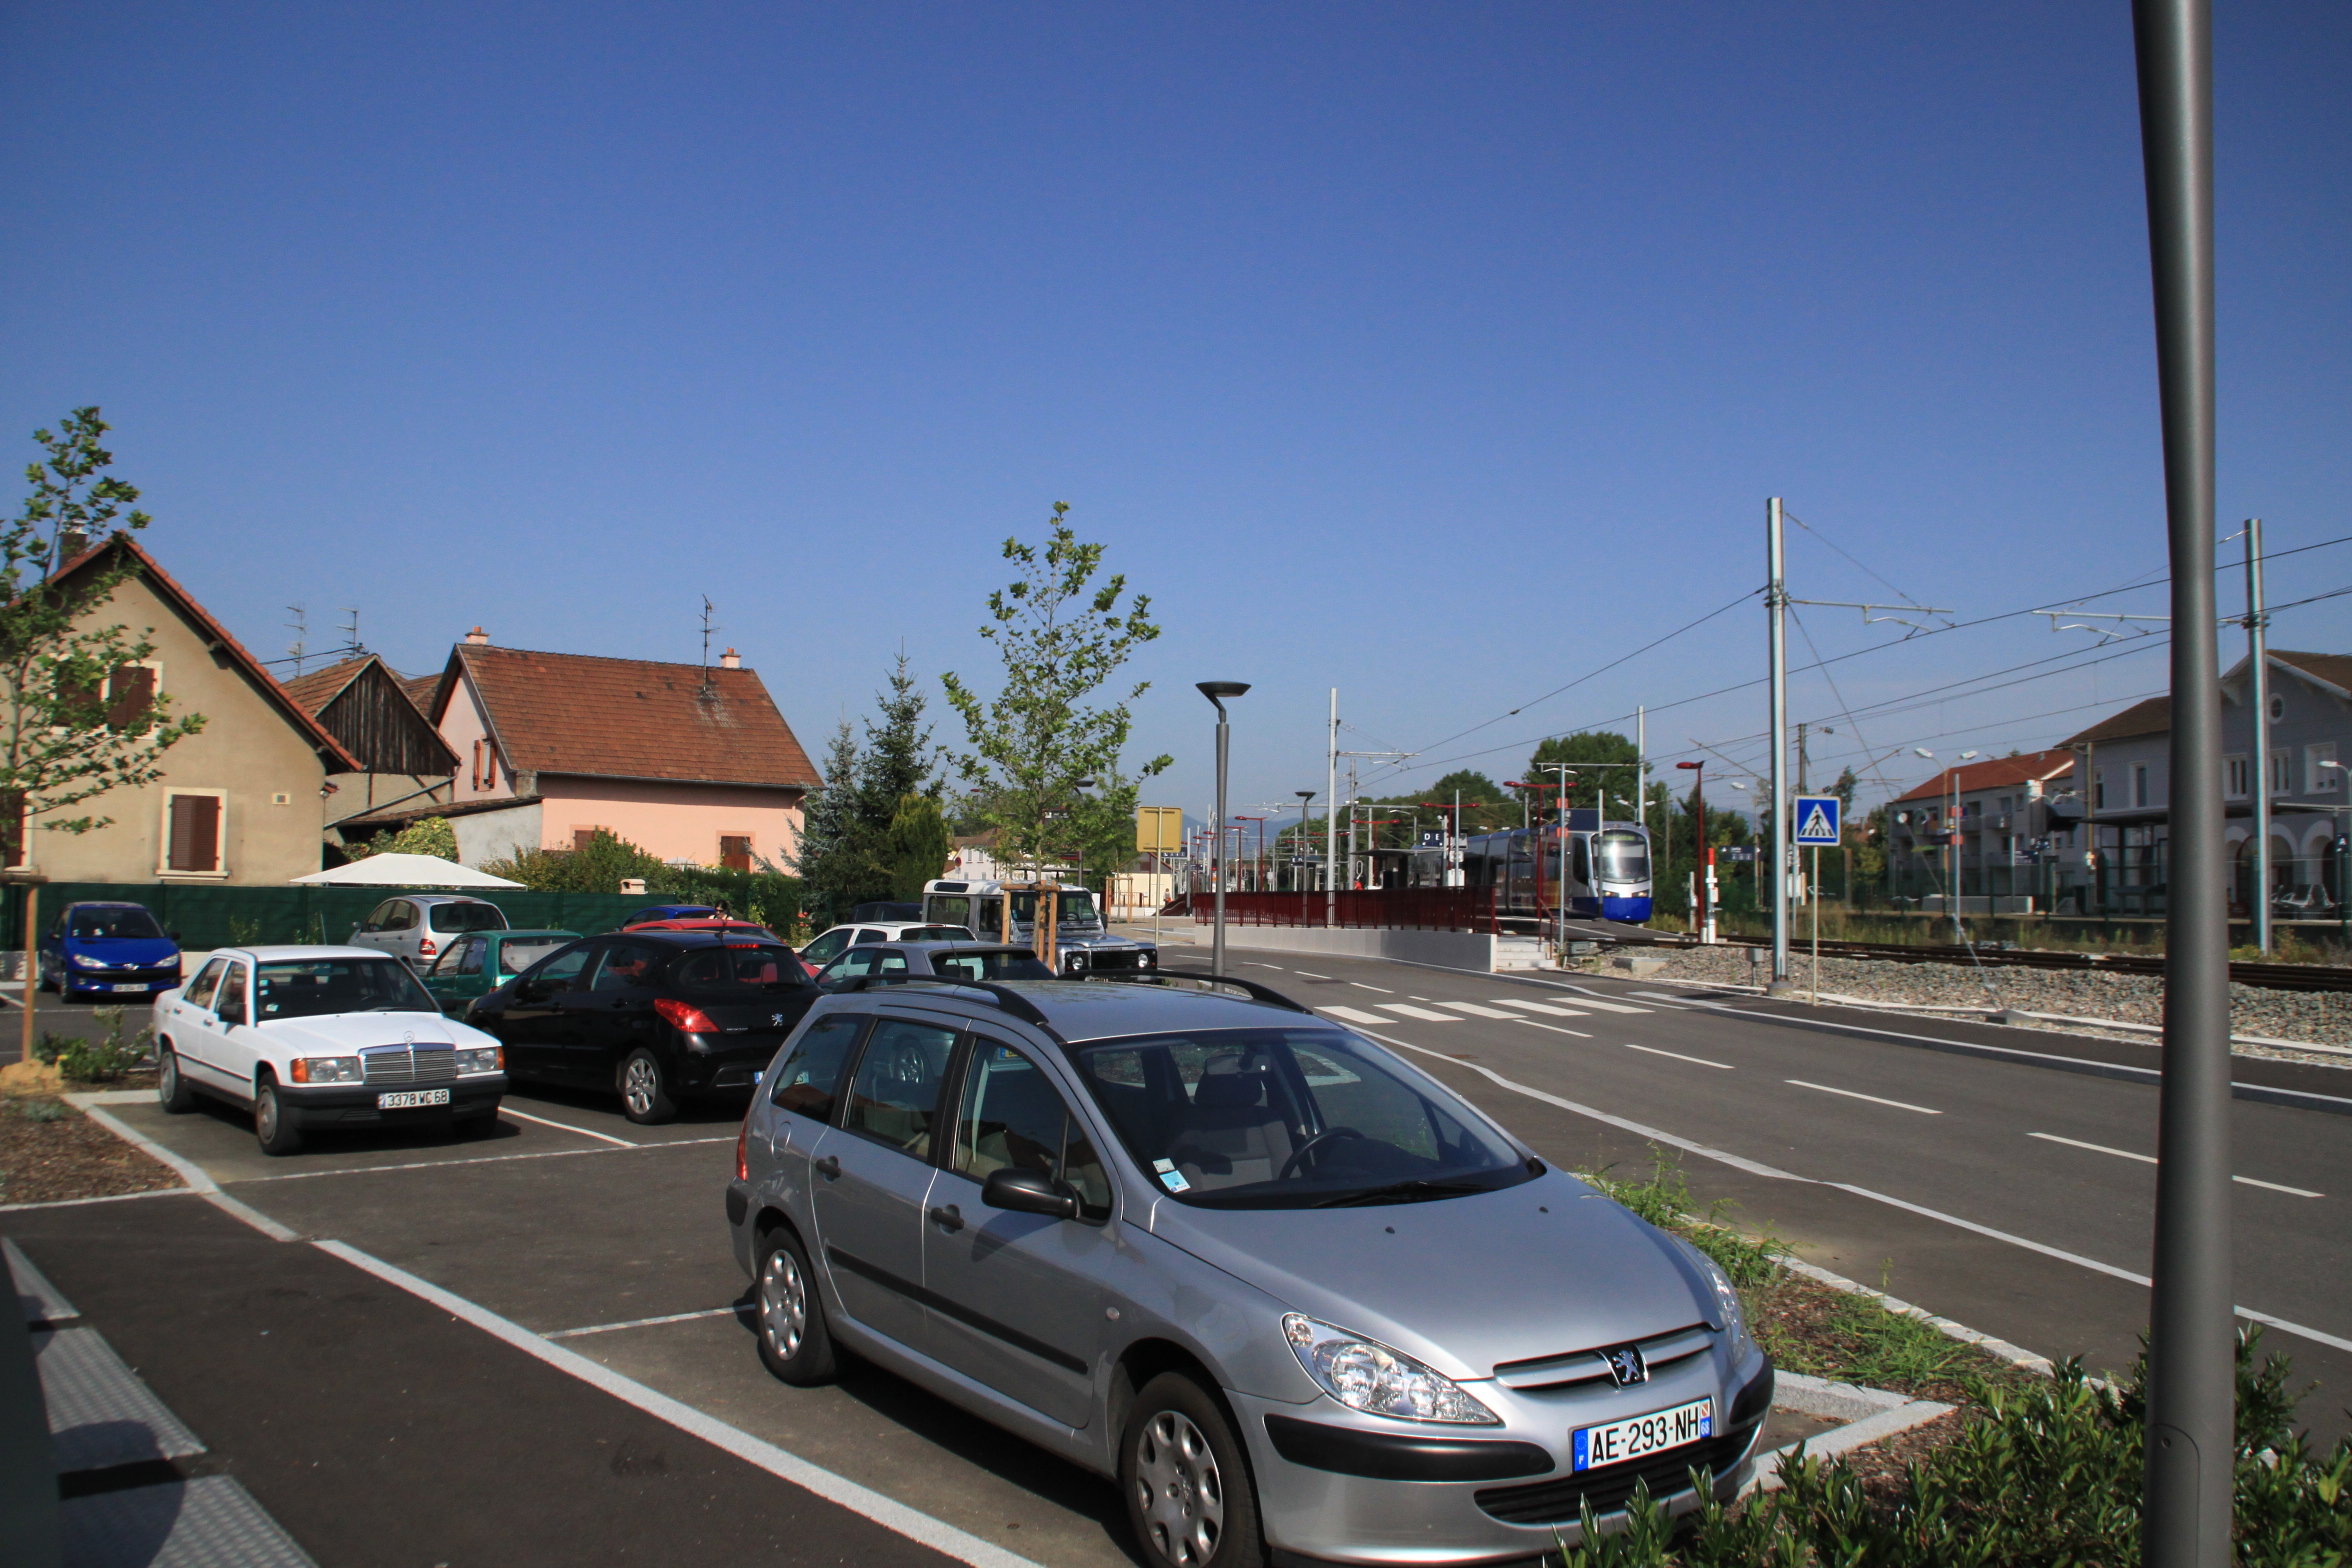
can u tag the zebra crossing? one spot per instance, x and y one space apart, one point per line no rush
1510 1007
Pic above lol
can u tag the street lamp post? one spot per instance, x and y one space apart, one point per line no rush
1217 692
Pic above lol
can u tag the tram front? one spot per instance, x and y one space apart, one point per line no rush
1621 872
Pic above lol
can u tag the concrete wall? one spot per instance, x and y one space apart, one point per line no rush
1452 949
247 752
484 836
672 821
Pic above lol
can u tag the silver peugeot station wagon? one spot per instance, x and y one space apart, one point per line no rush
1303 1302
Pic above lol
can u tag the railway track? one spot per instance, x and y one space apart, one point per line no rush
2276 977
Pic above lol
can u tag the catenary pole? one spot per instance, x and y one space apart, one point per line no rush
2191 1364
2258 663
1776 608
1331 823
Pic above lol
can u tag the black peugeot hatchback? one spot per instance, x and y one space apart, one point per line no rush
654 1016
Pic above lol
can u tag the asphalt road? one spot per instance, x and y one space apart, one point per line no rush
383 1422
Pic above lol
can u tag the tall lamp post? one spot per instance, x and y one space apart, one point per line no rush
1217 692
1706 850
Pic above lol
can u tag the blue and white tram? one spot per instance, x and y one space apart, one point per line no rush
1608 869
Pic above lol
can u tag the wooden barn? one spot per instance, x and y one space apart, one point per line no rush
367 708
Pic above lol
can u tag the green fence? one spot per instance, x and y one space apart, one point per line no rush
207 917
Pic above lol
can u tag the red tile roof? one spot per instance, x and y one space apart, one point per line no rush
217 636
1994 772
320 687
572 713
2152 717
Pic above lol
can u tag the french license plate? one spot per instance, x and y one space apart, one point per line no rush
135 986
1639 1435
409 1099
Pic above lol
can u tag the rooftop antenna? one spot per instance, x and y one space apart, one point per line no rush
708 626
299 648
350 629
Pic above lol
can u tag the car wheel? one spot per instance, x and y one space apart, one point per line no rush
645 1089
794 1342
273 1129
1188 1488
171 1090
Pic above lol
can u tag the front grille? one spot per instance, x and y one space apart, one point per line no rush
400 1064
1114 958
1561 1500
1585 1366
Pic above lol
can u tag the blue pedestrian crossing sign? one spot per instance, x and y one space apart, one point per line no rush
1817 821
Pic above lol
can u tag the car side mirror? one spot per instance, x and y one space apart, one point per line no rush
1028 1192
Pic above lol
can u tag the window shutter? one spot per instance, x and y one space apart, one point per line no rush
477 764
130 692
580 838
195 833
735 852
12 827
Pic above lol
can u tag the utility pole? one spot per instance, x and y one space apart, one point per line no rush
2192 1374
2258 658
1776 610
1217 692
1330 824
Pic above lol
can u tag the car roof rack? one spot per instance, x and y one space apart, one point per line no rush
1251 988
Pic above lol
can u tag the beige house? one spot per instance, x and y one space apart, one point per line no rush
694 765
242 802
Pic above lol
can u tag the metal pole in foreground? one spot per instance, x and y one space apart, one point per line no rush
1216 692
2191 1371
2258 668
1776 603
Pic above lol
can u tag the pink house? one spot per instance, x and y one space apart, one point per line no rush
691 764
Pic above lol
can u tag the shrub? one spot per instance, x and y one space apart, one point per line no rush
96 1061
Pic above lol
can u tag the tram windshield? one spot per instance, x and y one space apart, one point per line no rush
1624 857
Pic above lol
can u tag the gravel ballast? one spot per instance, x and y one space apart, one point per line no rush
2321 1017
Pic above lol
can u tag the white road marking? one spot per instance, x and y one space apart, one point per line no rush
1757 1168
1537 1007
1422 1013
1872 1098
1304 975
675 1317
1353 1015
888 1512
1554 1028
1678 1056
1254 964
1361 986
1476 1011
508 1110
1585 999
2150 1159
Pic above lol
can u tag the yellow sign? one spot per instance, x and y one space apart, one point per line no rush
1159 830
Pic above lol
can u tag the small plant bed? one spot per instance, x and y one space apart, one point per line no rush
50 1151
2028 1470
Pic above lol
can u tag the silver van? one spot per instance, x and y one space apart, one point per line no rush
1297 1298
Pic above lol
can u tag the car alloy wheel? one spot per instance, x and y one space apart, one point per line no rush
783 1300
641 1086
1182 1494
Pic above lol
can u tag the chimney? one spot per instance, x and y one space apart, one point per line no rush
730 660
477 638
70 543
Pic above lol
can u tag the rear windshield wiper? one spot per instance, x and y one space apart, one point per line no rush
1417 1190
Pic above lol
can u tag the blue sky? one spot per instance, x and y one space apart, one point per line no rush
1442 354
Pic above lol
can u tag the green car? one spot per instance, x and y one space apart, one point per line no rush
481 961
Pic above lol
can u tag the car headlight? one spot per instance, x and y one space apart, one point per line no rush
85 961
326 1069
1734 1316
1366 1375
1150 958
483 1059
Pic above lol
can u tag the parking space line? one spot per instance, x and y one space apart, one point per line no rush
1853 1095
1554 1028
2150 1159
886 1511
1678 1056
422 1165
508 1110
607 1328
1361 986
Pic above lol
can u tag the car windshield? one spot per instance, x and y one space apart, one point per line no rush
516 956
1077 909
89 923
990 966
935 934
1292 1118
466 917
1625 857
742 967
307 987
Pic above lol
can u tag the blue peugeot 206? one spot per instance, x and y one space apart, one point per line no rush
98 949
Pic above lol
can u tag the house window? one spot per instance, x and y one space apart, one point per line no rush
485 765
130 695
2282 773
2234 777
581 836
2098 789
735 851
2278 707
2321 780
2139 784
192 831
